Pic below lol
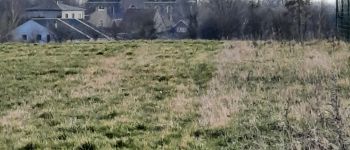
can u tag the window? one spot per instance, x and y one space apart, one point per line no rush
169 9
101 23
38 37
66 15
56 25
73 15
48 38
101 8
24 37
181 30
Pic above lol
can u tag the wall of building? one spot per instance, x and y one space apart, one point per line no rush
31 32
167 10
73 14
81 2
100 18
114 9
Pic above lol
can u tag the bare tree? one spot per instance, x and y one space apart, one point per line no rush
229 17
11 13
265 19
14 12
2 20
299 12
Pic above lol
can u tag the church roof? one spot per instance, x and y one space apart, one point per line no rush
68 7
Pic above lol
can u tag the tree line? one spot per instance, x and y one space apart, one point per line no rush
230 19
266 19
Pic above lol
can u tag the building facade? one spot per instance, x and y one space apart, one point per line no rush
32 31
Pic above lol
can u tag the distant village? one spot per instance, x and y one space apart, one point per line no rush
55 21
43 21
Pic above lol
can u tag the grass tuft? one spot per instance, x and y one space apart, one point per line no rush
87 146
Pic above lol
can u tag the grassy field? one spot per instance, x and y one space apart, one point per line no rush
175 95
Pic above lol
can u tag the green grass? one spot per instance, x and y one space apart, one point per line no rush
100 95
174 95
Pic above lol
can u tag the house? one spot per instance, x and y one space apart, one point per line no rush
177 31
55 9
31 31
101 18
53 21
180 29
148 23
169 13
45 30
101 13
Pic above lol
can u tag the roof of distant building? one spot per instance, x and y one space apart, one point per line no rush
51 5
77 28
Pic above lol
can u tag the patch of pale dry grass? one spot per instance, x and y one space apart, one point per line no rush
19 117
15 119
316 61
217 108
340 58
235 52
97 78
181 104
222 100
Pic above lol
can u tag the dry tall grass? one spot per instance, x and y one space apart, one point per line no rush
283 87
222 100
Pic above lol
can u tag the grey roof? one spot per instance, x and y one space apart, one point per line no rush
46 5
51 5
70 28
60 29
65 7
